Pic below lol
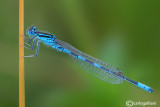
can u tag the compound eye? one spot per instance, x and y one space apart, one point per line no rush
34 28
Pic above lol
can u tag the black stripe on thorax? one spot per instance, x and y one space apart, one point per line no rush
44 35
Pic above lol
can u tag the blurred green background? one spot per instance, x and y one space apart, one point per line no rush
122 33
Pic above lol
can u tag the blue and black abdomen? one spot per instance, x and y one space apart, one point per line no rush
92 65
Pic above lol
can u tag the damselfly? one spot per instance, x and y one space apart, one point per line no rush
95 67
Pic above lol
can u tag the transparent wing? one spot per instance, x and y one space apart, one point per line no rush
91 69
97 72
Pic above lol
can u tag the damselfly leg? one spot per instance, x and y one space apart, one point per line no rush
37 49
31 47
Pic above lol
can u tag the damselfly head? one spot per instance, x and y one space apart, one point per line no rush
32 31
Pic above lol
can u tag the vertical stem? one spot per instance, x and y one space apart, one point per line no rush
21 54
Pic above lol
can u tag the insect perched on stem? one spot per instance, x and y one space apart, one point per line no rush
95 67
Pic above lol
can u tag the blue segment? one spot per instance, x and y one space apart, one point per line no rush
140 85
40 34
59 48
48 43
67 51
81 58
95 64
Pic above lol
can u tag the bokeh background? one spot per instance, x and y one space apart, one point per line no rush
125 34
